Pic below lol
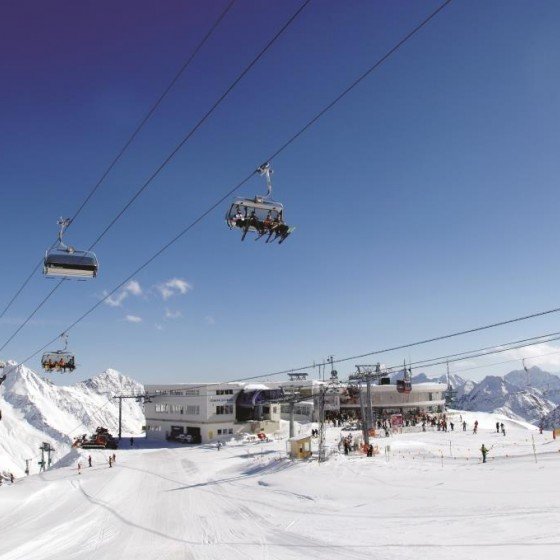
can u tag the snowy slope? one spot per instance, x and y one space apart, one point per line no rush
428 497
35 410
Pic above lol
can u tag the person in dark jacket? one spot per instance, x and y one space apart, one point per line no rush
484 452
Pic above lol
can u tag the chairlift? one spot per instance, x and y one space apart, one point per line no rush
404 385
264 217
63 261
59 361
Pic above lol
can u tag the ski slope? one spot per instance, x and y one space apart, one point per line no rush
425 498
34 410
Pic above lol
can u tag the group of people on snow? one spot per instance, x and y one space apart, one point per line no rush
111 460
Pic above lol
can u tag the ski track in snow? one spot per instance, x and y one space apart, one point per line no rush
248 502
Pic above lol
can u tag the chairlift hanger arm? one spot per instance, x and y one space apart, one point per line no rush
63 223
267 171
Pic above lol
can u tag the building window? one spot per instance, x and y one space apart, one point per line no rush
192 393
224 391
430 396
219 432
224 409
193 409
162 407
231 430
274 409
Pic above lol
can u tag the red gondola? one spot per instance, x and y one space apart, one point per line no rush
404 385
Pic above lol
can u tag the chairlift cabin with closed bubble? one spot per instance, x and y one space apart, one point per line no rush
60 361
63 261
260 215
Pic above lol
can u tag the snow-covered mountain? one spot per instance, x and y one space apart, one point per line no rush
34 410
552 419
547 383
495 394
518 395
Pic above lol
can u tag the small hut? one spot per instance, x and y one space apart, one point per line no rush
299 447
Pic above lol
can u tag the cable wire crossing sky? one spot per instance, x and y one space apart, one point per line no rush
419 185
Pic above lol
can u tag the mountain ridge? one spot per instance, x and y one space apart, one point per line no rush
35 410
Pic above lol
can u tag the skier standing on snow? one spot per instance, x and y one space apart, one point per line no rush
79 468
464 426
484 452
475 427
452 426
110 461
497 427
131 441
89 460
503 428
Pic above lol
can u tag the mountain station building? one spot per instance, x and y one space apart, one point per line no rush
211 412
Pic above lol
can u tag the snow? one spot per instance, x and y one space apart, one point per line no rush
35 411
255 387
423 499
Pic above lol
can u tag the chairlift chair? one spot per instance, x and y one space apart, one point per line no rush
59 360
265 217
63 261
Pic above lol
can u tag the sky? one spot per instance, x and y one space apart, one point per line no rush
424 203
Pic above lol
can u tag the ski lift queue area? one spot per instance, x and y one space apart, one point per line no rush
205 413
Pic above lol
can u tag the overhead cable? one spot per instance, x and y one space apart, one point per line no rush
124 148
168 158
226 195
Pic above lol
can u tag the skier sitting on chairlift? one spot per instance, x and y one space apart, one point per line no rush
239 218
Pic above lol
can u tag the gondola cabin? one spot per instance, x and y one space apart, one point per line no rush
70 264
404 386
249 213
59 361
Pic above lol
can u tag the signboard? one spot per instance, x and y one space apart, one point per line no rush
331 402
222 399
350 396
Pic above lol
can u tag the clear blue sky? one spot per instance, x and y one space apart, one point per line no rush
425 202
